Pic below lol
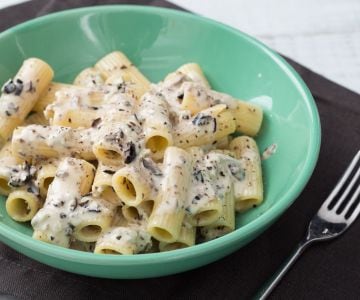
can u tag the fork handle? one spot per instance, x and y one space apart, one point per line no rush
269 286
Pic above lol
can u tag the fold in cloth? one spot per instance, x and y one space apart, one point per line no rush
330 270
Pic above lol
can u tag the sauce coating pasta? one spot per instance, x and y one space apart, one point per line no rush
123 166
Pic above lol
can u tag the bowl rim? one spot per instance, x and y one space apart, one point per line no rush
261 221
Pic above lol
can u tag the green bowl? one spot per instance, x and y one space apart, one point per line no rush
158 41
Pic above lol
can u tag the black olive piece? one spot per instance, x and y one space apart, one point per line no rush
130 153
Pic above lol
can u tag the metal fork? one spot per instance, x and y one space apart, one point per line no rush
335 215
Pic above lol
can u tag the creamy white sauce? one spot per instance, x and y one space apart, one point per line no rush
174 189
126 240
212 177
187 183
64 193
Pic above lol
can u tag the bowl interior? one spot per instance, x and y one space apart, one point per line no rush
158 41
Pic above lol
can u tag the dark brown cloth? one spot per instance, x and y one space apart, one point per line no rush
326 271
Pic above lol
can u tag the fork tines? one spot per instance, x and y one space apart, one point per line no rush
344 198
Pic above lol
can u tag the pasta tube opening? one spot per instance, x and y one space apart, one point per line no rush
130 186
126 189
138 213
90 231
206 217
47 182
107 251
109 194
244 205
162 234
172 246
157 145
22 206
130 213
107 156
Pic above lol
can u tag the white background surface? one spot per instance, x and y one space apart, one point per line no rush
323 35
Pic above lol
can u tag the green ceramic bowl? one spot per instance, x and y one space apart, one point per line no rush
158 41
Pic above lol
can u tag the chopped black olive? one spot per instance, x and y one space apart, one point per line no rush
130 153
62 216
82 204
196 199
198 176
96 122
201 119
118 237
95 210
151 166
110 172
19 87
22 174
9 87
237 172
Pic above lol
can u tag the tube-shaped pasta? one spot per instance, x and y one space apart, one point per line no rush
75 118
248 188
195 97
248 117
204 206
117 62
138 213
186 238
130 185
75 107
82 246
20 94
92 217
117 143
45 175
52 141
195 73
226 220
7 162
206 212
206 127
89 77
123 240
22 205
169 209
36 118
208 233
52 223
158 127
48 95
102 186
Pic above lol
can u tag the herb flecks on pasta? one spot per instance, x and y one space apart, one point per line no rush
114 164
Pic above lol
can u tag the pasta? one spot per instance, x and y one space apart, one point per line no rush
20 94
113 164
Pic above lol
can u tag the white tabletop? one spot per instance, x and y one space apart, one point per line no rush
323 35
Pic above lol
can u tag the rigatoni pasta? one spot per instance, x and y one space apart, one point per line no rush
116 165
20 94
